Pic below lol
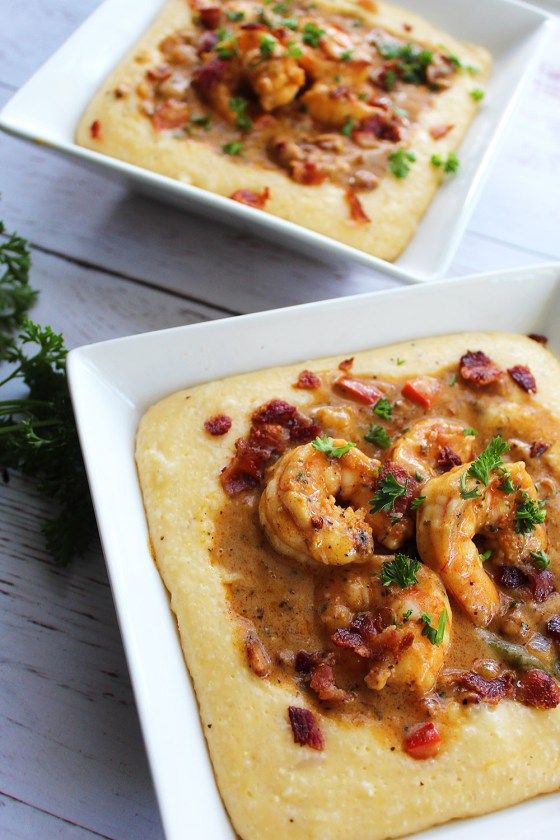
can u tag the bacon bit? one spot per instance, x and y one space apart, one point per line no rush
407 27
358 389
323 684
402 504
305 661
439 131
95 130
305 728
553 627
170 114
252 199
541 339
510 577
389 645
219 424
274 426
350 640
306 172
210 17
537 689
357 212
523 377
317 522
476 367
346 364
307 381
447 459
421 391
422 741
253 27
480 688
541 584
209 74
257 655
361 633
158 74
206 43
538 447
381 126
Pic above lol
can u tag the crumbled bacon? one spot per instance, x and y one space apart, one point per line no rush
537 689
359 389
323 684
172 113
510 577
553 628
389 645
307 381
477 368
439 131
250 198
209 74
219 424
421 391
541 339
538 448
407 27
307 172
361 633
541 584
274 426
523 377
382 126
305 728
402 504
257 655
357 212
479 688
346 364
159 73
422 741
95 130
447 459
206 43
305 661
210 17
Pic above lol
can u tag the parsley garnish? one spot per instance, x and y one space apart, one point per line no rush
326 446
450 164
238 105
530 512
387 493
226 46
434 636
348 127
401 571
346 55
489 460
267 46
16 295
507 485
477 94
406 616
281 9
399 162
411 60
312 34
452 380
469 432
541 558
467 494
234 16
293 50
383 408
203 121
233 148
378 436
399 363
486 555
417 502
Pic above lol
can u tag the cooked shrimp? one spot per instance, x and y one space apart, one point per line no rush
424 447
335 105
447 524
276 80
400 652
300 513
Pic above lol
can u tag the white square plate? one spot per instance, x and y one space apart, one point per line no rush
48 107
113 383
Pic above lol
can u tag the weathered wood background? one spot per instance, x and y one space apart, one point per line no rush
109 263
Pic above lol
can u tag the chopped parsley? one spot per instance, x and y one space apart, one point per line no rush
477 94
346 55
541 559
238 105
465 493
412 61
486 555
387 493
488 460
234 16
326 445
267 46
530 512
469 432
202 121
399 162
435 636
383 408
449 165
233 148
401 571
281 9
399 363
406 616
226 47
507 485
348 127
289 23
417 502
312 34
452 380
378 436
293 50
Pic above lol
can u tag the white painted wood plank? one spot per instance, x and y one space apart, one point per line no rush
20 822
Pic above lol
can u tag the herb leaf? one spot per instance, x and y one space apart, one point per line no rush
326 445
402 571
417 502
387 493
383 408
435 636
312 34
16 295
530 512
378 436
541 559
488 460
233 148
470 432
399 162
238 105
465 493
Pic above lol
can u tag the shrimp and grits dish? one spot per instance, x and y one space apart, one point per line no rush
343 117
362 555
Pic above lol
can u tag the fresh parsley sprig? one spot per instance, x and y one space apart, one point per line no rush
378 436
387 492
326 445
435 635
16 295
401 571
383 408
529 512
488 460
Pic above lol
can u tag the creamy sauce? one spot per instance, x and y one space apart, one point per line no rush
286 600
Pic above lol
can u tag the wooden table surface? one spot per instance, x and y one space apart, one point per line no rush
109 263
